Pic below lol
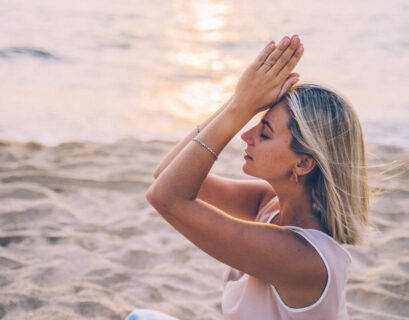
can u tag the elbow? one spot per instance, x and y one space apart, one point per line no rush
151 195
157 200
162 196
157 197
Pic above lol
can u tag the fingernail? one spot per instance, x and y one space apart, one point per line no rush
286 42
295 40
272 45
300 49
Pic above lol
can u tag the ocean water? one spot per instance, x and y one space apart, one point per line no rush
105 70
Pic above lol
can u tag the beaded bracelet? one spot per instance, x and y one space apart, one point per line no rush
206 146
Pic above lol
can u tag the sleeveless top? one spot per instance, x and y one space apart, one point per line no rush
246 297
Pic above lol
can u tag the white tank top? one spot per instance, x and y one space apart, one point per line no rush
246 297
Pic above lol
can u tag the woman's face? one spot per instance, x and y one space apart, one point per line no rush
269 148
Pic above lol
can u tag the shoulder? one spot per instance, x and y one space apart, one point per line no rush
325 243
324 264
324 256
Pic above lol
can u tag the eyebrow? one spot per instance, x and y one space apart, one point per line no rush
267 124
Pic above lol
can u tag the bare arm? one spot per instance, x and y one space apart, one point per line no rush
180 146
265 251
239 198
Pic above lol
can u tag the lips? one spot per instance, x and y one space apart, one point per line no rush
248 155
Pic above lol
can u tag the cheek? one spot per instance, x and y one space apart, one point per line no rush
278 160
276 152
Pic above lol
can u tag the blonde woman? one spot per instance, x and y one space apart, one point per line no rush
280 235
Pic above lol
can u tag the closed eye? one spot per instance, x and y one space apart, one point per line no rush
263 136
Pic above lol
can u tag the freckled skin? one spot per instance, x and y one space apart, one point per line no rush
273 159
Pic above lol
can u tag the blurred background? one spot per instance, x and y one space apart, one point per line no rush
105 70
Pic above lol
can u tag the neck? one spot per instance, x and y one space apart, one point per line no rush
295 205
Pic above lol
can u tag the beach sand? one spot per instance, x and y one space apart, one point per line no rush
78 240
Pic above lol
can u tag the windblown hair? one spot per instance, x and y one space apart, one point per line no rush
325 127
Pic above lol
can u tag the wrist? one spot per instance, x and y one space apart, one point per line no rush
238 116
240 107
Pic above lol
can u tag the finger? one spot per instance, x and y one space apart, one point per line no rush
285 71
263 55
291 80
274 55
286 56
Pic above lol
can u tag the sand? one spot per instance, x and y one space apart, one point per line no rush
78 240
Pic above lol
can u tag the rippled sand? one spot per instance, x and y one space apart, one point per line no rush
78 240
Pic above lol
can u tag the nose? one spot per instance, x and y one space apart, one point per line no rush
248 136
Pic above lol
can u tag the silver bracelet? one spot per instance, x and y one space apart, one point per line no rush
206 146
197 129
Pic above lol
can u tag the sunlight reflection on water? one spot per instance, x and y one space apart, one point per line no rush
151 69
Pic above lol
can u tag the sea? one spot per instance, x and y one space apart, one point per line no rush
88 70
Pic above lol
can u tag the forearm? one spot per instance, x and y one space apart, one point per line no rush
181 145
184 176
259 87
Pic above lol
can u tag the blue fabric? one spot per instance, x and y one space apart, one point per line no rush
147 314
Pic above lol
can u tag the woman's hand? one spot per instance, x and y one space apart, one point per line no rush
262 85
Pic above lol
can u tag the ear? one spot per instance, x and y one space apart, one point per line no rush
305 165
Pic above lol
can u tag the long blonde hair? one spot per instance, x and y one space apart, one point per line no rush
326 127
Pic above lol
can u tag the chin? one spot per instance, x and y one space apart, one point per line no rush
249 173
245 170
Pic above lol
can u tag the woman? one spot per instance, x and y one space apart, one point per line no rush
280 235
